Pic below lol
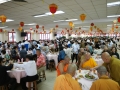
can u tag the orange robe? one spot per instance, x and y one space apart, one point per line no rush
89 63
105 83
66 82
64 69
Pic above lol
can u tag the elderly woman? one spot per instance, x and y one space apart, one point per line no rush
114 52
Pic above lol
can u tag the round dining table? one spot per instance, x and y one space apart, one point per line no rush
17 73
51 56
85 83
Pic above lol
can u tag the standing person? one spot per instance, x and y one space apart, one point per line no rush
41 62
75 48
4 77
23 53
113 65
62 54
104 82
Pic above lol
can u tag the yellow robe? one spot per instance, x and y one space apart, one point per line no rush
89 63
114 69
66 82
104 83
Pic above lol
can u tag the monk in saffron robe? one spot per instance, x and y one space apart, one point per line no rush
104 82
62 66
113 66
66 82
88 62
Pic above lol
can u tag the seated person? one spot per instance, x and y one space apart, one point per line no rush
4 77
88 62
41 61
66 82
31 71
114 52
80 54
62 66
104 83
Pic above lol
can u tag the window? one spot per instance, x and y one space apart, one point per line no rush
45 36
11 36
28 37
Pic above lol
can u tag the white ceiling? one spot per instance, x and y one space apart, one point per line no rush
95 10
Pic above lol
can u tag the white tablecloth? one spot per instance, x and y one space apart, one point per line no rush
18 74
53 56
86 84
98 51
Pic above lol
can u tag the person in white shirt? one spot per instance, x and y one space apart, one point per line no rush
31 71
68 51
75 48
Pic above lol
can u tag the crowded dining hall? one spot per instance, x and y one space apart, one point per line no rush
59 44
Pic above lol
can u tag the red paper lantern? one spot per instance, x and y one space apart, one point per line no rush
118 19
53 8
13 30
37 26
1 30
71 28
56 26
21 24
92 24
31 28
116 27
42 27
3 18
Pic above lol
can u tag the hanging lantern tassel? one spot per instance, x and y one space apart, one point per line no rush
20 29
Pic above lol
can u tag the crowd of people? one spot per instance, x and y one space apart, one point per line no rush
73 54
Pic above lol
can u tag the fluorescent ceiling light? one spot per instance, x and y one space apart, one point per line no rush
49 13
4 27
31 24
59 21
71 20
66 20
114 16
113 4
9 20
3 1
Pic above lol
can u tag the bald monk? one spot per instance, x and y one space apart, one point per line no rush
62 66
88 62
104 82
113 66
66 82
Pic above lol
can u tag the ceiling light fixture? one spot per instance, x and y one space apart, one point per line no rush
113 4
114 16
3 1
49 13
71 20
31 24
66 20
4 27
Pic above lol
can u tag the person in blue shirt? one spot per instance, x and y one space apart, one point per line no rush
62 54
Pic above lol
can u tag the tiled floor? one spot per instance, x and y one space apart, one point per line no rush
49 82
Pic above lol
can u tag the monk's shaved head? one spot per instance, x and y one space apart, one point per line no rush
72 69
102 70
106 57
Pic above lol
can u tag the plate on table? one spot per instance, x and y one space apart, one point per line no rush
90 77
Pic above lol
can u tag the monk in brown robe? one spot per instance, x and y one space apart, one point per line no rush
113 66
104 82
66 82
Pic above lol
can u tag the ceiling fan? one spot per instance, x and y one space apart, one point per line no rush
20 0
